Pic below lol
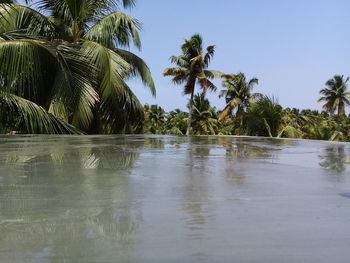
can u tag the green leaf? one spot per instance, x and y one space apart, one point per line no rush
19 113
115 30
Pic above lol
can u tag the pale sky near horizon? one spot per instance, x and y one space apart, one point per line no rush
292 46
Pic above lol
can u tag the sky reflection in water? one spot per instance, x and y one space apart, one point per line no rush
170 199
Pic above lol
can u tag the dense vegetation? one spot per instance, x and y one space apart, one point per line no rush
192 67
254 114
64 69
264 117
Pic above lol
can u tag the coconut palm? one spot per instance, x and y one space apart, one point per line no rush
154 119
335 95
293 123
264 117
238 94
192 67
204 121
71 63
177 122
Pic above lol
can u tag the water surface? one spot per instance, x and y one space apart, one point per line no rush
169 199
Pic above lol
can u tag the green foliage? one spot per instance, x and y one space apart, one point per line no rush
260 116
64 70
264 117
336 95
71 63
192 67
154 119
238 94
204 120
177 122
18 114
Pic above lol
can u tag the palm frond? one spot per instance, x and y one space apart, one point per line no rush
26 67
117 100
174 71
213 74
193 47
190 84
22 21
139 69
28 117
42 73
209 55
112 68
206 84
79 80
181 61
115 30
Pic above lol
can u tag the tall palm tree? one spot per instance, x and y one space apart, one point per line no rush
336 95
192 67
71 64
238 94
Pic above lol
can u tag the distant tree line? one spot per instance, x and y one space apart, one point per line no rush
264 117
246 113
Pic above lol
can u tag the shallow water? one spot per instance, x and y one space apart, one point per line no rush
169 199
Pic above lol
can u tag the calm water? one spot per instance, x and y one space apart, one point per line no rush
167 199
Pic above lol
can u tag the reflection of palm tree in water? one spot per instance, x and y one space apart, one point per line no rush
197 187
237 152
335 158
242 149
234 151
63 198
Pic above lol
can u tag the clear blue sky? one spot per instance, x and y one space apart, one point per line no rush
292 46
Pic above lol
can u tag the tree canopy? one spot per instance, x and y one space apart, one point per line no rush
67 58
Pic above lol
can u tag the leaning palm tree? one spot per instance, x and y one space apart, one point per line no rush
71 64
192 67
238 94
335 95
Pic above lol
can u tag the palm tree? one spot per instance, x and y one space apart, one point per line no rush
154 119
335 95
204 121
192 67
294 123
238 94
71 64
264 117
177 122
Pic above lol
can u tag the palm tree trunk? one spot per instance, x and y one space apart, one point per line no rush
76 31
222 115
240 112
341 109
189 124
